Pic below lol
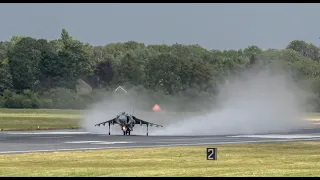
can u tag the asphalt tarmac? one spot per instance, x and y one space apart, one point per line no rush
67 140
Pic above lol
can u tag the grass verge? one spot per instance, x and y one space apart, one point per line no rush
41 119
268 159
313 117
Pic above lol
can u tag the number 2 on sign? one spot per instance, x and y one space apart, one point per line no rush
211 154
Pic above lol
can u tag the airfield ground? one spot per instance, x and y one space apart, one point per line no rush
267 159
44 119
38 119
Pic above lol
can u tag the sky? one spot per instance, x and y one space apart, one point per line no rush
213 26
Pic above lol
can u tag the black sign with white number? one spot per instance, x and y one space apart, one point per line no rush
211 153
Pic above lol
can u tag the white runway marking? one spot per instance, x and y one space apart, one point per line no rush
39 133
280 136
81 142
101 148
105 142
96 142
51 137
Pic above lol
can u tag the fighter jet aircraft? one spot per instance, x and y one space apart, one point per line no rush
127 123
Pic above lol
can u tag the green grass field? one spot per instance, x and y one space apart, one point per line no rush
30 119
43 119
268 159
313 117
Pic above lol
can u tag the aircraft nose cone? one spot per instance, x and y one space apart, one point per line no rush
122 119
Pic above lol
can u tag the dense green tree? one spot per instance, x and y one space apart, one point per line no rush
5 76
74 58
36 73
308 50
24 60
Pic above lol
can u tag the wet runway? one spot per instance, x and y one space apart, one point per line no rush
68 140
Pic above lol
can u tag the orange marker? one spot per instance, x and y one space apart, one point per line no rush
156 108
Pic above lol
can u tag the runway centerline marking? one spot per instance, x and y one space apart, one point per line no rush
54 137
279 136
97 142
43 133
81 142
106 142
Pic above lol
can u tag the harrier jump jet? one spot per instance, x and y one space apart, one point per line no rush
127 122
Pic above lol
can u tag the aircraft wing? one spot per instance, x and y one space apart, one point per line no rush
112 121
140 121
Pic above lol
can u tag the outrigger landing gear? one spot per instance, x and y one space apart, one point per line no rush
109 128
147 129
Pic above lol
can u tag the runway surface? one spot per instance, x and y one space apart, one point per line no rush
68 140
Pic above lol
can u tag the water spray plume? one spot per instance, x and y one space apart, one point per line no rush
254 103
262 103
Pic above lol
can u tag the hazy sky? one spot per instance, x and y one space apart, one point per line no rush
213 26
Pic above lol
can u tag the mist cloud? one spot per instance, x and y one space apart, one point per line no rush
253 103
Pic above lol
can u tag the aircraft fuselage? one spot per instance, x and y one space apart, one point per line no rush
126 122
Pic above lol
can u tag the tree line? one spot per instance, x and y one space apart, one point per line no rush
40 73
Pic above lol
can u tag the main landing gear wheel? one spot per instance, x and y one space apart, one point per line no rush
126 133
